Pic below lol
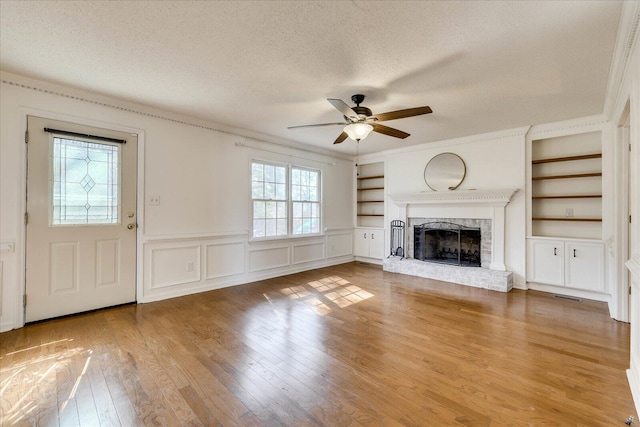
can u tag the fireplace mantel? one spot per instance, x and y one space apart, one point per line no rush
497 197
489 204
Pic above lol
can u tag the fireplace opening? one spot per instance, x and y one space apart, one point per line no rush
447 243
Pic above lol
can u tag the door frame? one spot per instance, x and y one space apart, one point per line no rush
22 229
622 205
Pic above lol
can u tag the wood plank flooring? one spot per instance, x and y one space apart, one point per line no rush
348 345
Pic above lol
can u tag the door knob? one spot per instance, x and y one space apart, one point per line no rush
131 226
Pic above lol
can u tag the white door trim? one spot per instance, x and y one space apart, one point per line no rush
21 248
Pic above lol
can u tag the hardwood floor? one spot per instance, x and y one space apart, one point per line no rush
348 345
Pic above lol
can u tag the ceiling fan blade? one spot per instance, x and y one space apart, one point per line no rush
319 124
389 131
401 114
344 109
341 138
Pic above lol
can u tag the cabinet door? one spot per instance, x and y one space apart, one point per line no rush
361 237
546 262
585 266
376 244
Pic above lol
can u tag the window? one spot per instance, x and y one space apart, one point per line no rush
284 204
85 182
305 196
269 194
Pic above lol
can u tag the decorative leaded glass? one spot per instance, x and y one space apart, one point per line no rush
85 180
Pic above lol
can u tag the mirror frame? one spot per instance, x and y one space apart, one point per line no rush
455 184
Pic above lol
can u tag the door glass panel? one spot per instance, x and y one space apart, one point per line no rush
85 183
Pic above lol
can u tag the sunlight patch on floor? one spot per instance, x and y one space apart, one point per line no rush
326 293
35 374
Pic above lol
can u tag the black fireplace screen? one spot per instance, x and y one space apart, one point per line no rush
447 243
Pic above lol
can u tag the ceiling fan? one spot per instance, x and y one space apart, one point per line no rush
360 121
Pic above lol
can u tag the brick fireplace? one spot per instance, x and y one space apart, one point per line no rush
469 209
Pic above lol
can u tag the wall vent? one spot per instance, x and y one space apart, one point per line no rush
568 298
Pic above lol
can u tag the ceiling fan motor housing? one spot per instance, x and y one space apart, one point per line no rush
360 111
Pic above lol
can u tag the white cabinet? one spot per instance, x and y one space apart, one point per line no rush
584 266
369 242
546 261
575 264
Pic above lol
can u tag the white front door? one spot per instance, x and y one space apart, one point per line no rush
81 218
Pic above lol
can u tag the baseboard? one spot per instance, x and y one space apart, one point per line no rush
243 279
633 376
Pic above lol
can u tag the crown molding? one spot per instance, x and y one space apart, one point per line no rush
490 136
568 127
89 97
626 41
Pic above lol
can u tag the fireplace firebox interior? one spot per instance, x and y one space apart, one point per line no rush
447 243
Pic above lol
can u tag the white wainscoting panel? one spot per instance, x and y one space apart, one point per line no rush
268 257
339 245
224 259
174 266
228 259
107 262
307 252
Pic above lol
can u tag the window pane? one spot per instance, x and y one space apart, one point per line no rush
281 175
258 228
281 191
85 178
297 210
269 190
282 227
257 172
295 176
313 194
271 227
269 173
258 210
295 192
282 210
297 226
315 225
270 210
257 190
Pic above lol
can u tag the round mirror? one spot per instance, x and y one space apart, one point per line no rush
446 171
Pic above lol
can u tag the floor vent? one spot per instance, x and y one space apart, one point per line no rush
568 298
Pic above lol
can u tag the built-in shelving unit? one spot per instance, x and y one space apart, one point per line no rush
370 195
565 251
566 181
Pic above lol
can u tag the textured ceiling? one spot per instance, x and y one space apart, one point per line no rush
265 65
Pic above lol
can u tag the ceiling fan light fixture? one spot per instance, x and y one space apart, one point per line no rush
358 131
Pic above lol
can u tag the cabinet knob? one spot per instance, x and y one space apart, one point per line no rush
555 251
365 235
574 253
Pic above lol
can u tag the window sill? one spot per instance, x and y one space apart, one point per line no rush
284 238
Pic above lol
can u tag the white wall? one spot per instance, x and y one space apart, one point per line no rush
202 178
493 161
